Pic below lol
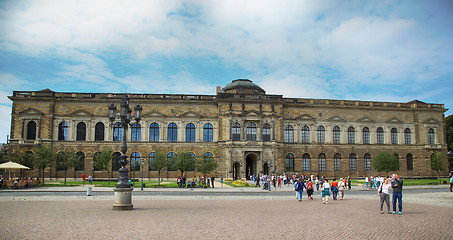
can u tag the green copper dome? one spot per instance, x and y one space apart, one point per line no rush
243 86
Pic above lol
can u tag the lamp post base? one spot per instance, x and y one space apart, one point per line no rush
123 199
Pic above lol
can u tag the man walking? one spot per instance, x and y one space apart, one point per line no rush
397 186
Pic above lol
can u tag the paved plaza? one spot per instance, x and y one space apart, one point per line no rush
224 216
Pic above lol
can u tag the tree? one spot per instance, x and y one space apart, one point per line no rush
437 163
66 159
43 158
102 161
386 162
205 165
159 163
449 127
185 161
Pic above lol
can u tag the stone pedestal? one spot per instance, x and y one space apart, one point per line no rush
123 199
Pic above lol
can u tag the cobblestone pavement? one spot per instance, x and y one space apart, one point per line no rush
220 219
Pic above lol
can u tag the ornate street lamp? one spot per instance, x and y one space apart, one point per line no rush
123 190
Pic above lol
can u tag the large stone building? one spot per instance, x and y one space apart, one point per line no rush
246 130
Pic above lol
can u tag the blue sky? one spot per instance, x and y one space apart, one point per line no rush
356 50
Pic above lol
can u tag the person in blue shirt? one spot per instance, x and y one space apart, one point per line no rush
299 188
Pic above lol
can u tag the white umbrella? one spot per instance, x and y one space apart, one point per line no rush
12 165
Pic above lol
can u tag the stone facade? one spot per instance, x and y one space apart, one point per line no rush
252 132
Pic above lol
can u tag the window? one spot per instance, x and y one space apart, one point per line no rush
81 131
407 136
322 162
135 161
117 132
172 132
206 156
81 163
191 166
431 136
136 132
336 134
337 162
367 162
321 134
380 136
190 132
236 132
305 132
171 161
352 162
289 162
394 136
151 160
95 159
63 131
115 161
31 130
154 132
251 131
366 135
306 163
351 135
397 158
289 134
266 132
410 162
208 133
99 132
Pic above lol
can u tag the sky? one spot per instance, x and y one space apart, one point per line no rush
393 51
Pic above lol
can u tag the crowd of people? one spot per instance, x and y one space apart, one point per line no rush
183 182
19 182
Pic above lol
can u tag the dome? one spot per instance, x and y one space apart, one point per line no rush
243 86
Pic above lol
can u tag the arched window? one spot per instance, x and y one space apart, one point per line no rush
236 131
207 156
117 132
431 139
99 132
337 162
305 132
289 134
266 132
351 135
95 159
135 161
31 130
380 135
190 132
81 163
251 131
81 131
115 161
289 162
321 135
352 162
136 132
407 136
410 162
394 136
172 132
208 133
171 161
63 131
306 162
191 167
367 162
336 135
154 132
151 161
397 156
366 135
322 162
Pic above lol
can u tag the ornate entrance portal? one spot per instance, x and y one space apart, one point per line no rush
251 165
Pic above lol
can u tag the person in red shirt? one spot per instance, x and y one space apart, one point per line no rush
83 179
310 189
334 186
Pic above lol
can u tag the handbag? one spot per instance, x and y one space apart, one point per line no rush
380 189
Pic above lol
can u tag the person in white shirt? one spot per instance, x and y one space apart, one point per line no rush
366 181
384 195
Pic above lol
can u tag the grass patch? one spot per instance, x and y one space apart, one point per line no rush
410 182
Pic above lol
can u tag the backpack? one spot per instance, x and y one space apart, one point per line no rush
310 187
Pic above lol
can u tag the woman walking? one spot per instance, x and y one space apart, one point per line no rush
341 188
299 188
384 195
310 190
325 191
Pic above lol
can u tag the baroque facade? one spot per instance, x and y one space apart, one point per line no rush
246 130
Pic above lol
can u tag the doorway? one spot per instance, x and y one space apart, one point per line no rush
250 165
236 168
265 169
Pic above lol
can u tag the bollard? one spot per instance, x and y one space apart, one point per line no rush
89 189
